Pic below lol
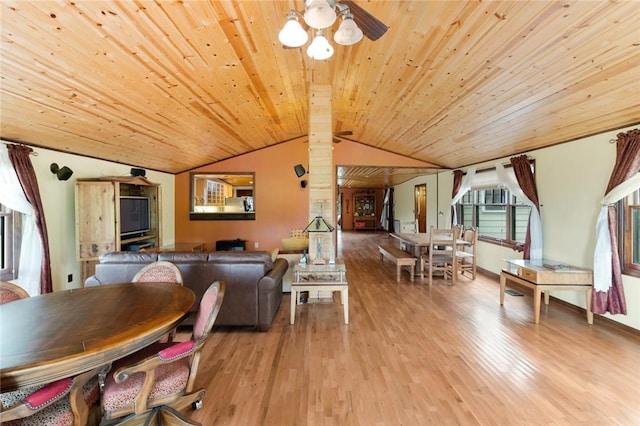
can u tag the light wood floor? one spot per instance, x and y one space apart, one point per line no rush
414 355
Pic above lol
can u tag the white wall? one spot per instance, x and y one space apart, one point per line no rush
571 179
59 207
439 189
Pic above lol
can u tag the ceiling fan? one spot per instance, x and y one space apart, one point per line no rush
337 136
320 15
371 27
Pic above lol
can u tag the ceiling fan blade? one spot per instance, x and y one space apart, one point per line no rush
336 136
369 24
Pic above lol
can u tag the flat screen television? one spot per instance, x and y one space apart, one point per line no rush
134 215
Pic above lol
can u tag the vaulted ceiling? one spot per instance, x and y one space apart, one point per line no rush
173 85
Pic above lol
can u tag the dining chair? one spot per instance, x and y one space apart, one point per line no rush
160 272
440 253
10 292
65 402
157 383
466 253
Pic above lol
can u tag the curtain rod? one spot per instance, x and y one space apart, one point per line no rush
488 169
35 154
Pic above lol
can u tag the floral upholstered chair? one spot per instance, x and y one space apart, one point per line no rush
159 380
65 402
159 272
10 292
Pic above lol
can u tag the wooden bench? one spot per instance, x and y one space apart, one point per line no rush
399 257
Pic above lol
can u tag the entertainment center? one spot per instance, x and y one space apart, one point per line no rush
115 214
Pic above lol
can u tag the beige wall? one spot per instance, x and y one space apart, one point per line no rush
59 207
571 180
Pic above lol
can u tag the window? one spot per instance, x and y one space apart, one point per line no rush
494 199
499 216
629 233
10 237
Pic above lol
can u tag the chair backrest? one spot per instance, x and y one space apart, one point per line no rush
442 239
10 292
159 272
208 310
470 235
206 316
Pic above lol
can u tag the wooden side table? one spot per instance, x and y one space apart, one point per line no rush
177 247
330 277
543 276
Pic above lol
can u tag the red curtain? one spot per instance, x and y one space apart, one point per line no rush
457 182
524 176
19 156
627 165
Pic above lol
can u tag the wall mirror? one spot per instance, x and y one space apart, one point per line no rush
222 196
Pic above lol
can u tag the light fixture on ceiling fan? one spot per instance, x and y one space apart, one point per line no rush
319 15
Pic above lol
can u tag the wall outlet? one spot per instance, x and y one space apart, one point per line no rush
256 245
70 278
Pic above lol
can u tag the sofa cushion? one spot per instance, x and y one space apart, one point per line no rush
233 257
129 257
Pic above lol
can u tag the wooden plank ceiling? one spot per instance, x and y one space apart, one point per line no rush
173 85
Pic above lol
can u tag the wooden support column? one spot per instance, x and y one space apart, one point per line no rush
321 168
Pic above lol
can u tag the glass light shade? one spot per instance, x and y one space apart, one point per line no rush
320 48
319 14
292 34
348 33
318 224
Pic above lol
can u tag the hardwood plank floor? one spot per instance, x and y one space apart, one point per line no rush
414 355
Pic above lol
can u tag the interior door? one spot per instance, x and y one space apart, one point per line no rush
420 208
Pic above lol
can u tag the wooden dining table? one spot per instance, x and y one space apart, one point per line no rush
418 244
61 334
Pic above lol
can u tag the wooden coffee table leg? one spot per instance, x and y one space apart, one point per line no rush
536 305
344 295
589 293
292 318
503 285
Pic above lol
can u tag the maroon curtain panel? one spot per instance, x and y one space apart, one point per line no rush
457 182
390 212
19 156
627 165
524 176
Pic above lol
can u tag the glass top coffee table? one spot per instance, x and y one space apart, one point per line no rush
329 277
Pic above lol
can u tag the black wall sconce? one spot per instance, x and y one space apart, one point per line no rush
299 169
63 173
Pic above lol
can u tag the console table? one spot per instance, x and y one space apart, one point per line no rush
543 276
331 277
195 247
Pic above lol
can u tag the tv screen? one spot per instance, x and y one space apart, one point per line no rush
134 215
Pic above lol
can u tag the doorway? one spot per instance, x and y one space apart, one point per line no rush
420 207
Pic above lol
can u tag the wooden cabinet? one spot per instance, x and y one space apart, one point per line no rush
364 211
115 214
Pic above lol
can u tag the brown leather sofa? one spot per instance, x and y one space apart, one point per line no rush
253 280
